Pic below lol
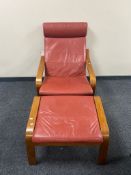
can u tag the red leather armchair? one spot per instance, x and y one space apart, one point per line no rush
65 61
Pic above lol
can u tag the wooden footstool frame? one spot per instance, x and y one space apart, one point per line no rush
31 126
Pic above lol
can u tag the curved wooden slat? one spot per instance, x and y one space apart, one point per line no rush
92 77
30 129
39 75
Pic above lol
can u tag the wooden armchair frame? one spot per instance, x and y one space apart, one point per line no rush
39 76
92 77
31 126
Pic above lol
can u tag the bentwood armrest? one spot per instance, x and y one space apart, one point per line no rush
32 117
40 73
92 77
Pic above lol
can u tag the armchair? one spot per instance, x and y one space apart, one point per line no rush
65 61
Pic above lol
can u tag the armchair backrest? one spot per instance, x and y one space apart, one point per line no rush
65 49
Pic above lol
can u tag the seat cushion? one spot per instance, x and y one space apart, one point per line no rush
66 85
67 119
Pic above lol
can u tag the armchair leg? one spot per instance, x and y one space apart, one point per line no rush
31 153
103 151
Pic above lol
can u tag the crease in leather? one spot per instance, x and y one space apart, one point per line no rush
67 118
65 56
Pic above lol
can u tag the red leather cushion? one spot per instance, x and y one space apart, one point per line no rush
65 56
67 119
65 29
78 85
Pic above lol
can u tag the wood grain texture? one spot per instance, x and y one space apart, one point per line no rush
39 75
104 130
32 117
92 77
30 129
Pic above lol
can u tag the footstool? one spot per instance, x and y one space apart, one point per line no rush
67 121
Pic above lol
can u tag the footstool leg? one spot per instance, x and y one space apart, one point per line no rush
31 153
104 130
103 151
30 129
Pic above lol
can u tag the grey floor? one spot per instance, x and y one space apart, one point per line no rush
15 101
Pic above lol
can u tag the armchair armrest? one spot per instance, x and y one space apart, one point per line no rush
32 117
92 77
40 73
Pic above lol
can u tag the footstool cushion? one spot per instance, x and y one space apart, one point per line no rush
67 119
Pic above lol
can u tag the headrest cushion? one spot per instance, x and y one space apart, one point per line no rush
65 29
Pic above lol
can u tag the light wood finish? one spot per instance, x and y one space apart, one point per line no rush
104 130
92 77
30 129
39 75
30 147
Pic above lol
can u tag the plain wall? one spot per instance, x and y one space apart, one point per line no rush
21 37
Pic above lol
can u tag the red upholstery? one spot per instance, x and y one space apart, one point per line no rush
78 85
67 119
65 54
65 29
